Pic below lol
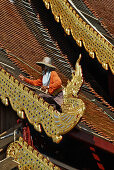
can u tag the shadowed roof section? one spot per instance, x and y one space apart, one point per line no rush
17 38
97 119
23 44
104 11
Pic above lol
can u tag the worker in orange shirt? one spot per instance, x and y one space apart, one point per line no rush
49 81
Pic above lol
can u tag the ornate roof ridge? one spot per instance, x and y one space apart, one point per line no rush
28 157
82 32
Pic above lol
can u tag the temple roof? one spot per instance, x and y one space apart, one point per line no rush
19 41
92 121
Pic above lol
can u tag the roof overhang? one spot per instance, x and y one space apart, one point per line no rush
74 23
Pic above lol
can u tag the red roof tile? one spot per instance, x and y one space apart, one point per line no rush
104 11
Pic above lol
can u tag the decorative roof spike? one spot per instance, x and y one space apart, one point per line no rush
79 42
57 18
5 101
38 127
105 66
92 54
67 30
47 4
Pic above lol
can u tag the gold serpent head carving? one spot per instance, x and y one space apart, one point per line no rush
73 86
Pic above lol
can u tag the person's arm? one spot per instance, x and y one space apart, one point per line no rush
55 82
37 82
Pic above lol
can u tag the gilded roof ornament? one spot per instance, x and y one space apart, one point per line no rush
73 24
27 157
39 113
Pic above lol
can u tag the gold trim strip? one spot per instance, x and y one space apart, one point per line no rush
27 157
72 23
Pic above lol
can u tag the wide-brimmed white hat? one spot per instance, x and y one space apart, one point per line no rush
47 62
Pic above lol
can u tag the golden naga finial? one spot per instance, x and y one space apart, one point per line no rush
73 86
39 113
72 104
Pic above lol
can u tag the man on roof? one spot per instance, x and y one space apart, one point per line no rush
49 82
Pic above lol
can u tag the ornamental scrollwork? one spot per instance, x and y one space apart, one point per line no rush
40 113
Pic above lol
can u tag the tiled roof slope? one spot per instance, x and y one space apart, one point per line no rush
103 125
17 38
104 11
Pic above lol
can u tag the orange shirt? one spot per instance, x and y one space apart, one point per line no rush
55 82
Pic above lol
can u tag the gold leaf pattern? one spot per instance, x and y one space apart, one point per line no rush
93 42
27 157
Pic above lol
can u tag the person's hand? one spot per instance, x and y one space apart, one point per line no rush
44 88
21 77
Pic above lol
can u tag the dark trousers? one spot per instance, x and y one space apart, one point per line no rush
55 101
